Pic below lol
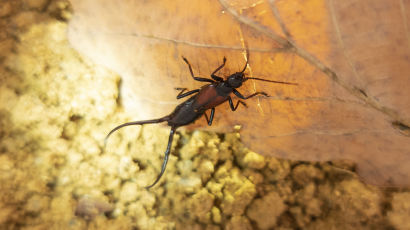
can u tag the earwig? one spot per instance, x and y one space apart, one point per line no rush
207 97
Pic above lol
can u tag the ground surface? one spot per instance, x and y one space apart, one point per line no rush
55 110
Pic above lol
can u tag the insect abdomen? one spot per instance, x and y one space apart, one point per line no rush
184 114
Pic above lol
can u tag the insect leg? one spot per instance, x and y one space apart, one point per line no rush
181 89
181 94
216 78
164 164
211 118
238 94
192 73
233 108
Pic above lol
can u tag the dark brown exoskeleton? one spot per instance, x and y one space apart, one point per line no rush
207 97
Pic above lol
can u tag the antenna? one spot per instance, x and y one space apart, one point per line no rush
279 82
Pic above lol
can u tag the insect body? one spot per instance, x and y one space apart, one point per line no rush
207 97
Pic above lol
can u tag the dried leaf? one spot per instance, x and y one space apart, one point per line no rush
350 59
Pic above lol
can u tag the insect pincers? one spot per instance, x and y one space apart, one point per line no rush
207 97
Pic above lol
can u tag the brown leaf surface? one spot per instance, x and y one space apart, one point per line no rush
350 58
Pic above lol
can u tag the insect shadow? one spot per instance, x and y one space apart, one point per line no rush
207 97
